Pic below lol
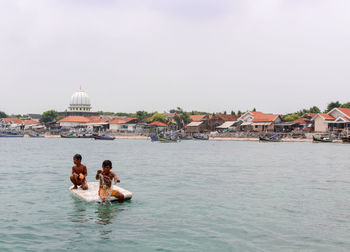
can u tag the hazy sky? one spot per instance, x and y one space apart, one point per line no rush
277 56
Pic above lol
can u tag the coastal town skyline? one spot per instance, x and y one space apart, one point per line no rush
214 56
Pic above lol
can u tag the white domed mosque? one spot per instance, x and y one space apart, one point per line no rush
80 105
80 101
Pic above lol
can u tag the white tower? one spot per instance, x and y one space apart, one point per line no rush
80 102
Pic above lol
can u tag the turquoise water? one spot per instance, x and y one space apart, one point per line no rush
189 196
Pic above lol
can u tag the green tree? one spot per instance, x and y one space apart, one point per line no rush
3 114
345 105
314 109
182 120
49 116
254 109
159 117
185 117
233 112
178 110
291 117
141 115
239 113
332 105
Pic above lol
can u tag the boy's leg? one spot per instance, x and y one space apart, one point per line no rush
84 185
74 181
103 194
118 195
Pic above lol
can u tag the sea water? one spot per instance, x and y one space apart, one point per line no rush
187 196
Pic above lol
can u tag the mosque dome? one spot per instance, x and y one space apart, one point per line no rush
80 101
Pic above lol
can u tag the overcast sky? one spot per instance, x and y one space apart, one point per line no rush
154 55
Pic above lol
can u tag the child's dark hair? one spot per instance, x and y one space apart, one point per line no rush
77 156
107 163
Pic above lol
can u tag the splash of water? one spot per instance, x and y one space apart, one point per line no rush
104 186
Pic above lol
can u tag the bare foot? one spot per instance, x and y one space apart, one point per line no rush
74 188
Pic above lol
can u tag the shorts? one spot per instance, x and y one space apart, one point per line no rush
104 193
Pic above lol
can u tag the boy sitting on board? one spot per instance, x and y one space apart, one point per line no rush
79 173
106 177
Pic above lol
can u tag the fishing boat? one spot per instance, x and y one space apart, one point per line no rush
167 140
346 139
69 136
154 138
322 139
103 137
11 135
200 137
268 139
273 138
37 136
186 137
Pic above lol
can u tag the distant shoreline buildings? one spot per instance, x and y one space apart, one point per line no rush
79 116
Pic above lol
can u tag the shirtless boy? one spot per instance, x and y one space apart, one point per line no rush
79 172
106 177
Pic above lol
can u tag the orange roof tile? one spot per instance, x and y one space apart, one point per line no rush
99 120
326 116
261 117
30 122
12 120
197 118
227 117
302 121
117 120
76 119
159 124
346 111
93 118
311 114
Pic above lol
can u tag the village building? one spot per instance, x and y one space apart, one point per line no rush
73 121
126 124
199 124
19 124
258 121
217 121
337 120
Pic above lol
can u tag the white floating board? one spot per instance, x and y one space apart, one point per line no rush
91 195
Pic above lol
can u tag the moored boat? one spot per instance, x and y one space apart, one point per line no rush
346 139
166 140
11 135
154 138
274 138
200 137
37 136
69 136
103 137
269 139
322 139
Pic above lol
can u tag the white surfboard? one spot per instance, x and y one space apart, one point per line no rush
91 195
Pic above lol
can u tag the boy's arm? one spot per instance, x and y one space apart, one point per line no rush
98 174
73 171
85 171
116 180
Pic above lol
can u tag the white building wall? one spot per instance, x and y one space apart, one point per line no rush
70 124
336 114
115 126
320 124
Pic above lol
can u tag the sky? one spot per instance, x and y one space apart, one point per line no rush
277 56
